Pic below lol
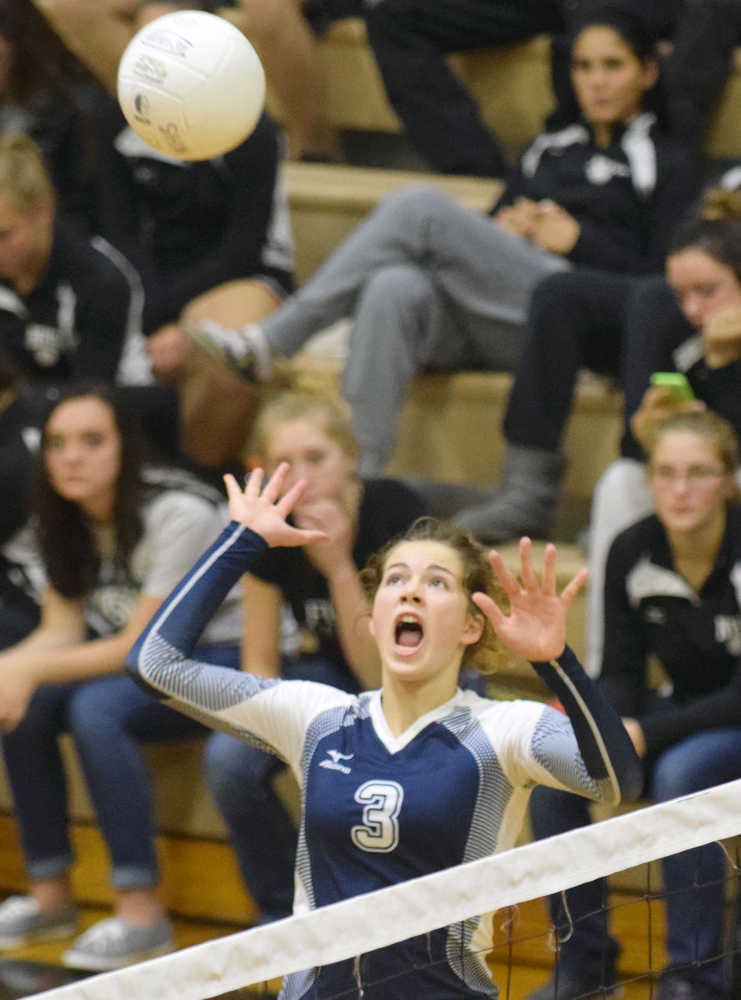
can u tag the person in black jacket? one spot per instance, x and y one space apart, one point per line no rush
618 325
671 592
430 284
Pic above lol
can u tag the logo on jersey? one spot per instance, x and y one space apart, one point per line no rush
333 763
601 169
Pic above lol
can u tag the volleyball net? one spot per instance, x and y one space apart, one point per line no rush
501 886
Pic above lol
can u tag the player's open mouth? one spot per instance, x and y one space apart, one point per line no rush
408 632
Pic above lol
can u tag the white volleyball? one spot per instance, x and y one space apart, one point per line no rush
191 85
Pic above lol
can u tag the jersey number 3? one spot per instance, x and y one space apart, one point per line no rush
381 802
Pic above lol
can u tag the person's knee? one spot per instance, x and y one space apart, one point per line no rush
413 205
91 714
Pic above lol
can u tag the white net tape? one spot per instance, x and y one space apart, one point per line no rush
378 919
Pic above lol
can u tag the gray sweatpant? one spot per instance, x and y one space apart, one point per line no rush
429 285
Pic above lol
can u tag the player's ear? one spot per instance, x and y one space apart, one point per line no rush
473 629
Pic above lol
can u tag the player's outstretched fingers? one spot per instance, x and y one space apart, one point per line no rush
574 585
502 573
527 571
549 569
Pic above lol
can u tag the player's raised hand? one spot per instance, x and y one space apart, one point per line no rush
265 510
535 627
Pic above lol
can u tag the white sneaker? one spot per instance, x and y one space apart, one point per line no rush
245 352
114 943
23 921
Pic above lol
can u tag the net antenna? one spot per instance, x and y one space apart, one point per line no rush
418 906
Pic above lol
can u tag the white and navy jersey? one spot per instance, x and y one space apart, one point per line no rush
627 197
377 808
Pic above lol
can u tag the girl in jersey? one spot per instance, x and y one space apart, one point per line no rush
114 536
672 593
360 757
320 583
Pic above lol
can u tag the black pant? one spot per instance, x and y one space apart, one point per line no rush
611 324
410 39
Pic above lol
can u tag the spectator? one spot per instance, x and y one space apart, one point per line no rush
210 240
671 592
616 325
432 285
20 422
320 583
700 335
114 536
70 307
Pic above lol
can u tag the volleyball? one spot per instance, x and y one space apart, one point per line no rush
191 85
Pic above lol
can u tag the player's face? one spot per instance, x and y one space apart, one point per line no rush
312 455
689 483
609 79
25 238
421 617
702 284
82 452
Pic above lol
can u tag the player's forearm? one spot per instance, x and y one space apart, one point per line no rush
191 605
604 744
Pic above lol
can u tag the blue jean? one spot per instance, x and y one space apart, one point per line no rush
107 718
694 913
240 778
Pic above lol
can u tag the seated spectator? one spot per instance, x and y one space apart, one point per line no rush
616 325
70 307
210 240
114 536
46 93
430 284
700 335
321 584
670 592
21 413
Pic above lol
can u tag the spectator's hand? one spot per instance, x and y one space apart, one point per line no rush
658 403
637 738
536 624
518 218
330 517
169 350
721 337
265 510
555 229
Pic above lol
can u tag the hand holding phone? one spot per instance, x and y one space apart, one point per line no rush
676 382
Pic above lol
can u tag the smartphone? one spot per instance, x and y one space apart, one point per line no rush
676 382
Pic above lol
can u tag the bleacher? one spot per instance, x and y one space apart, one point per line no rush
449 428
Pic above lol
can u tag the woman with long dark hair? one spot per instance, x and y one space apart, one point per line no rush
114 535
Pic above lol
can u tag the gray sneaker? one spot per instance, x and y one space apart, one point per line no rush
22 921
114 943
245 352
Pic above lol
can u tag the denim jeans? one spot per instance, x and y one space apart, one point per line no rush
107 719
694 915
240 778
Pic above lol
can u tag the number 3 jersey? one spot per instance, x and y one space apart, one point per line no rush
378 809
